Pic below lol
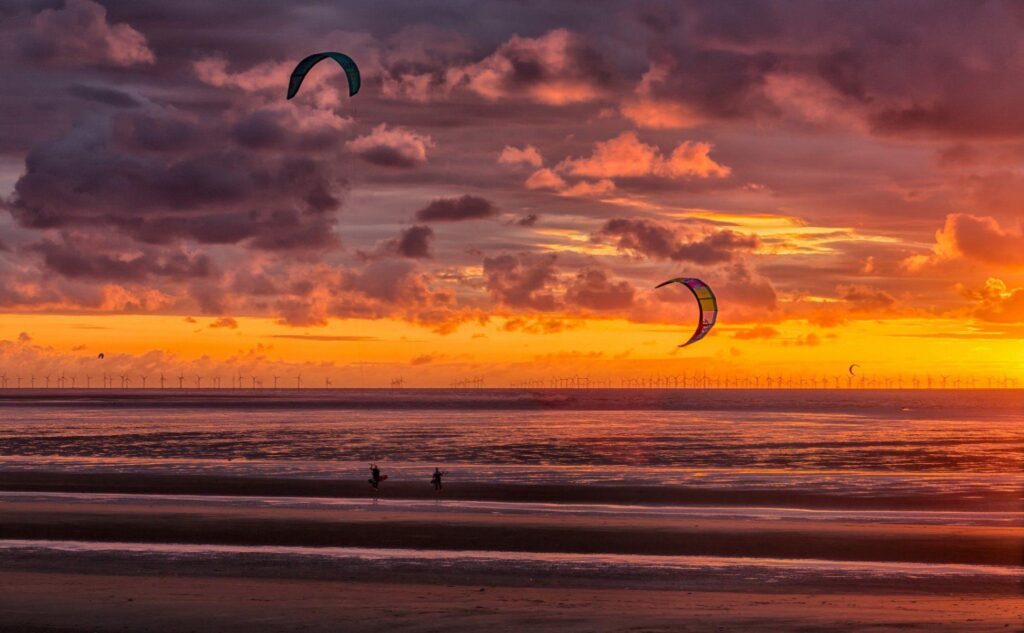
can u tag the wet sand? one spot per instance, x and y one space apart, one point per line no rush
102 603
113 588
387 527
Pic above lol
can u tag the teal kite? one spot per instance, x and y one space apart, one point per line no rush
346 63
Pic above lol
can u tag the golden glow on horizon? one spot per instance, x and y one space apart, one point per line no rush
508 349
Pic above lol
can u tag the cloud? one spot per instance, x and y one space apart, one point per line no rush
466 207
262 77
522 281
529 219
78 34
626 156
662 241
105 95
745 288
865 298
587 188
757 332
89 177
592 289
326 338
806 340
659 115
413 242
75 263
649 111
539 325
423 359
225 323
980 239
557 68
548 179
392 147
997 303
528 155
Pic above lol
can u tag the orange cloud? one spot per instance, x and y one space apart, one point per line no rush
998 303
982 239
528 155
548 179
556 69
225 322
391 147
756 332
626 156
648 111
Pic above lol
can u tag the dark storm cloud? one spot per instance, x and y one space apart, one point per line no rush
593 289
414 242
456 209
102 94
385 156
662 241
522 281
156 189
71 262
905 68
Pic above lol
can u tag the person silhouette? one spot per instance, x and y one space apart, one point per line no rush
435 479
375 476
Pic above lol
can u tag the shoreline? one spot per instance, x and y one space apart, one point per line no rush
907 403
244 486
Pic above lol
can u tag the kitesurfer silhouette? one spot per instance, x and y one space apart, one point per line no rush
435 479
375 477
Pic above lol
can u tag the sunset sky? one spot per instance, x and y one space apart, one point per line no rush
509 185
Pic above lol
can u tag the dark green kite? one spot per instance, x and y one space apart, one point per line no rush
349 66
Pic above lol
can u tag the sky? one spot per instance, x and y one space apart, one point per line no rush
507 188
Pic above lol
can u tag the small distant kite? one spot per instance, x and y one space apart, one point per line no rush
706 303
101 356
346 63
853 373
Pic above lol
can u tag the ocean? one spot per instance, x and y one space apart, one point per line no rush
703 490
936 450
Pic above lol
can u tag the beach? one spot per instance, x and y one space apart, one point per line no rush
115 515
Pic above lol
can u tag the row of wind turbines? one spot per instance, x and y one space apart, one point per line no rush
769 381
127 381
